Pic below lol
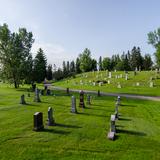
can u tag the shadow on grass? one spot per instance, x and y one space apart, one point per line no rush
136 133
60 94
124 119
98 109
124 105
22 89
121 126
95 115
67 126
55 131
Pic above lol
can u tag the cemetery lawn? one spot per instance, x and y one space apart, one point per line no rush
77 136
127 86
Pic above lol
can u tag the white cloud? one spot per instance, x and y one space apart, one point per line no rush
55 53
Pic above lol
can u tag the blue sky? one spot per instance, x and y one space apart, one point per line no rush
64 28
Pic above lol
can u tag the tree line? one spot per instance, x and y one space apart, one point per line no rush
130 61
18 66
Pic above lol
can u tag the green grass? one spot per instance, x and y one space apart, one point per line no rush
128 86
77 136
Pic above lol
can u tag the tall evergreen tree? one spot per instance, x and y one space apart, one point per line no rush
72 67
94 65
100 63
40 64
106 63
49 72
78 70
147 62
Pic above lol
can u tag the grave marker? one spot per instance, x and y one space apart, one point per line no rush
98 94
38 121
50 120
81 98
88 99
22 101
37 98
112 123
73 105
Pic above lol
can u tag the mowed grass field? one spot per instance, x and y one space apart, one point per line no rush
77 136
85 81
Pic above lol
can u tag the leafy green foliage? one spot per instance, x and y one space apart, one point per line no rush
85 61
15 56
154 39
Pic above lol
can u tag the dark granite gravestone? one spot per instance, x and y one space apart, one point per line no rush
38 121
67 90
48 92
73 105
37 98
50 120
42 92
22 101
88 99
29 94
81 99
99 94
33 87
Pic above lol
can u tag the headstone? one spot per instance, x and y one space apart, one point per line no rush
67 90
126 77
121 76
81 99
137 84
111 135
22 101
94 83
109 81
100 84
50 120
119 85
37 98
112 125
38 121
29 94
151 84
48 92
33 87
88 99
116 76
42 92
110 75
73 105
98 94
115 70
